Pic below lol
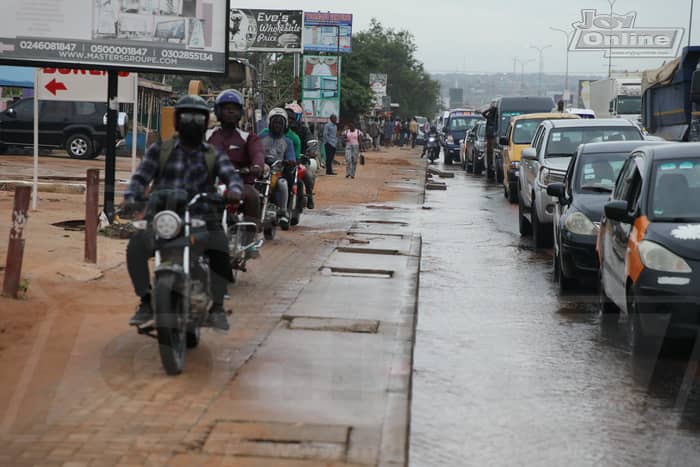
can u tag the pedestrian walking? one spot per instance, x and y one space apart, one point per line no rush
330 139
413 128
388 132
374 134
353 145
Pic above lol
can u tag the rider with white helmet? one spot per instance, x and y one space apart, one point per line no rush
277 147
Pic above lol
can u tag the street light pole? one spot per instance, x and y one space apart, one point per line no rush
540 51
566 74
690 24
522 70
612 4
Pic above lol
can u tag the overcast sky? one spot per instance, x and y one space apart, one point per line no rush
485 35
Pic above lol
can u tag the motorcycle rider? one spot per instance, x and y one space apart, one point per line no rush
278 147
245 151
302 132
184 162
432 133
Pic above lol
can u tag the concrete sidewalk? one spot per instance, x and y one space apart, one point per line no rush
332 382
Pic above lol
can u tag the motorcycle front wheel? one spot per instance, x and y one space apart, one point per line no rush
170 323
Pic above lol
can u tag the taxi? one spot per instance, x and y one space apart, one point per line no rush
649 245
521 130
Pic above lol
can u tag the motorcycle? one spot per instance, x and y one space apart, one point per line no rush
433 148
297 197
266 187
312 152
239 233
182 286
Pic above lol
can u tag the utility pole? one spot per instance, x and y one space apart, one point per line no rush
612 4
566 74
540 51
523 63
690 24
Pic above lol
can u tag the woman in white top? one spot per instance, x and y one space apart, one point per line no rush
353 140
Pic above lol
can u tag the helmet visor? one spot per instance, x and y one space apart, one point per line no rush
189 117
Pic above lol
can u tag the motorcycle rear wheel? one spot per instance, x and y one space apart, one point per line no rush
170 324
299 208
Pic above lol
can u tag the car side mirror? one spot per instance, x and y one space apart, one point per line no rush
503 141
529 154
695 87
612 107
617 210
556 190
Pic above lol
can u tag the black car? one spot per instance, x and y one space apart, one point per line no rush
589 181
78 127
649 245
455 131
475 149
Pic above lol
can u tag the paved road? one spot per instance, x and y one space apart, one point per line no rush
507 372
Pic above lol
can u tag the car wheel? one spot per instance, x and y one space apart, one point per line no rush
524 224
512 193
605 305
79 146
642 344
565 284
499 173
541 234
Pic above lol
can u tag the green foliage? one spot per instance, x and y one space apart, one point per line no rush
385 50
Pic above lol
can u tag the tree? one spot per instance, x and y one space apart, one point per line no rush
385 50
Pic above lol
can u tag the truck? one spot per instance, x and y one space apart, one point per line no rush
617 97
671 98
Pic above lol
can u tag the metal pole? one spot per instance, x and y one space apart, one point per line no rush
15 249
690 24
566 74
35 176
540 51
135 123
612 4
92 195
111 152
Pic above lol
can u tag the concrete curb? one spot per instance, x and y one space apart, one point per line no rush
44 187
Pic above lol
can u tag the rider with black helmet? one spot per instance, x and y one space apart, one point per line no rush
184 162
244 149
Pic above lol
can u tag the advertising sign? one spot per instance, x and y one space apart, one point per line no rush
63 84
327 32
265 30
618 37
321 88
378 82
158 35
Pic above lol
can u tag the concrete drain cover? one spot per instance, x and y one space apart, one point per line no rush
403 224
375 234
357 272
278 440
360 326
368 251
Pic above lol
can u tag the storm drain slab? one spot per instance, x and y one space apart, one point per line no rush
278 440
381 222
368 251
357 272
357 326
355 233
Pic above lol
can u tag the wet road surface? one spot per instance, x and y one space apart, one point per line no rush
508 372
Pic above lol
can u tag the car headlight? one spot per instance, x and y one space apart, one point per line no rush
167 225
450 139
577 223
658 258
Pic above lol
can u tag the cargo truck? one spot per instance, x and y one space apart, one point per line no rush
617 97
671 98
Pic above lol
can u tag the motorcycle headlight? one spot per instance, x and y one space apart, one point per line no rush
658 258
578 223
167 225
450 139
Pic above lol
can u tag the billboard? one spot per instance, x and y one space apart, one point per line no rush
265 30
378 84
327 32
158 35
618 36
62 84
321 87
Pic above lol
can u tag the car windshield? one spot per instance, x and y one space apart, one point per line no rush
676 185
462 123
564 142
629 105
524 130
597 173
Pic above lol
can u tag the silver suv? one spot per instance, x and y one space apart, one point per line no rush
553 145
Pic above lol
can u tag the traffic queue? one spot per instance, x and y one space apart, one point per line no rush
620 209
